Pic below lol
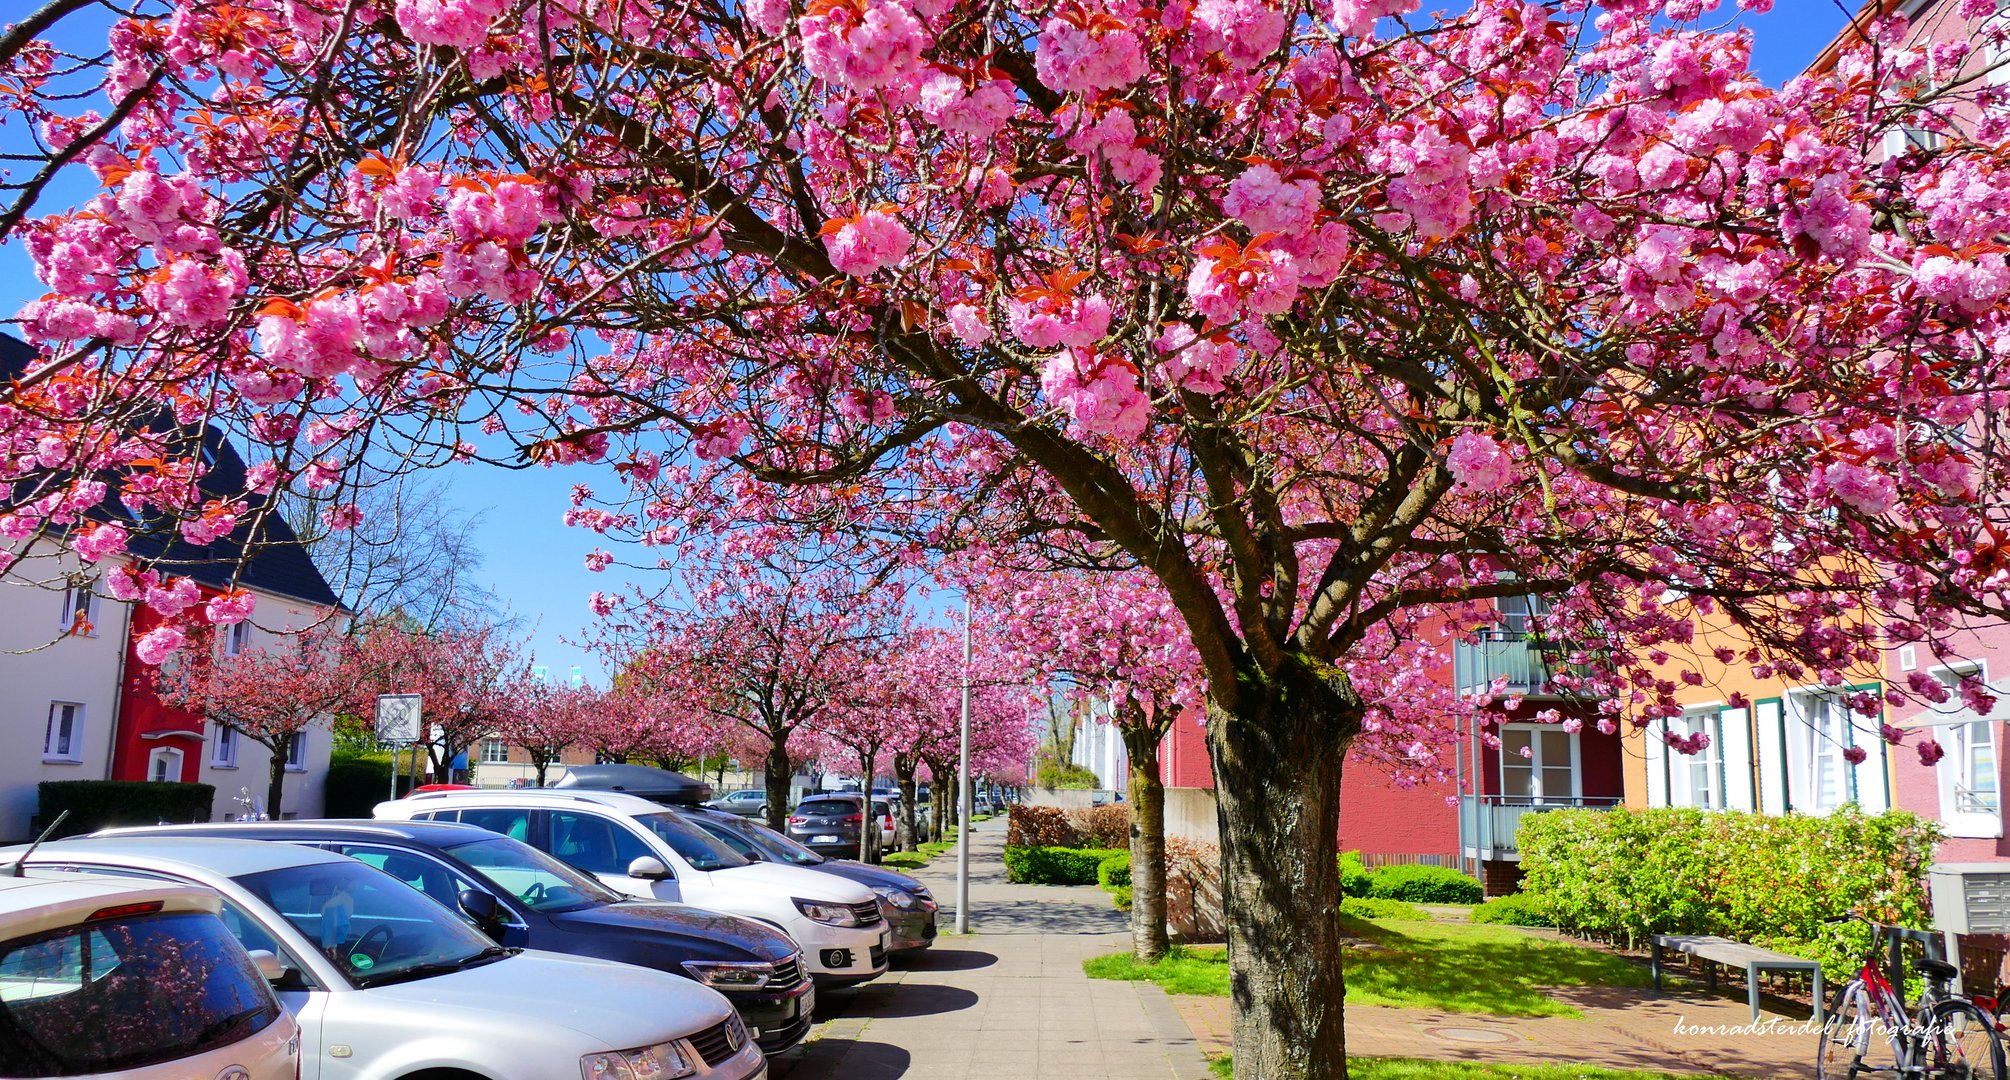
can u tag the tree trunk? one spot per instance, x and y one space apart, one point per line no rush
904 827
868 822
1277 761
275 781
778 776
539 763
1148 845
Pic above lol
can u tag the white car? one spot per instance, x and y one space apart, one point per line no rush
388 985
644 849
189 1001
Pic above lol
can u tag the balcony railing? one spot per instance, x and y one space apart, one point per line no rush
1498 654
1488 823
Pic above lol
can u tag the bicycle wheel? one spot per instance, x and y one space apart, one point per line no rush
1856 1042
1963 1043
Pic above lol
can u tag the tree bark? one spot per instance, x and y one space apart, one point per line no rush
1277 760
904 827
778 774
275 781
1148 845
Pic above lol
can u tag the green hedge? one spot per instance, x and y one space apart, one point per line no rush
1354 874
1515 909
1419 884
1375 907
104 804
1767 880
357 783
1056 865
1115 872
1121 896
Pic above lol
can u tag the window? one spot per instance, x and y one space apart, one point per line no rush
63 741
236 638
593 843
223 748
514 824
1516 611
80 611
1549 770
296 752
1697 779
1825 735
164 766
1971 800
1904 140
494 752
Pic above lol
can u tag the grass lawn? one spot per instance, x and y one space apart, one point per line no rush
1410 1069
919 857
1451 967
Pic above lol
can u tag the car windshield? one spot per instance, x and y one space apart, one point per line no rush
125 993
540 881
693 844
763 839
373 927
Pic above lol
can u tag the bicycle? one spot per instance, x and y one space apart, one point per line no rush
1868 1031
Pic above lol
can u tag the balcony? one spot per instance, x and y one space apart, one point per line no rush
1507 654
1488 823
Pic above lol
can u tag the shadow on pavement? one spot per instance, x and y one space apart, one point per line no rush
889 1000
859 1060
946 960
1058 916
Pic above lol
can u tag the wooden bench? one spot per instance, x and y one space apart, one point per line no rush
1730 953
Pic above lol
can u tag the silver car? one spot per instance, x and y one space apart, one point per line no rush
386 984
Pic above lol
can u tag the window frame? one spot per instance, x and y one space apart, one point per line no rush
68 622
236 637
1707 720
171 754
225 736
73 753
1817 749
486 759
1959 761
296 751
1535 764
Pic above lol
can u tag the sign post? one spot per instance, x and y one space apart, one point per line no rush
397 724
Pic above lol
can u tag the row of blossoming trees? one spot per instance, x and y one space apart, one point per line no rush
1320 322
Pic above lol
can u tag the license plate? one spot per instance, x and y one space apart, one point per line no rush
823 839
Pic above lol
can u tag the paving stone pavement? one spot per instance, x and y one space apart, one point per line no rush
1007 1001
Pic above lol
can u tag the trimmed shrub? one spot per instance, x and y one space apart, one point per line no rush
1115 872
1424 885
1375 907
1102 826
357 783
1121 896
1772 881
1039 826
1515 909
1055 865
105 804
1354 874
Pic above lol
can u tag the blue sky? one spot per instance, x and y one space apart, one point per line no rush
537 565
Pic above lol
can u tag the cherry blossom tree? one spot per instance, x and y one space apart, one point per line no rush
1331 318
270 696
767 650
469 681
544 718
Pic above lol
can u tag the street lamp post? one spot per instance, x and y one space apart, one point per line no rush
963 789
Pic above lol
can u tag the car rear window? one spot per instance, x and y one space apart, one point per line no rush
827 807
126 993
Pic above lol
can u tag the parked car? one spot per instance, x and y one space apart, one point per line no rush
747 802
656 785
640 848
188 1000
523 898
386 983
904 903
830 824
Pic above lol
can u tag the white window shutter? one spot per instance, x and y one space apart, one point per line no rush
1772 758
1657 763
1736 725
1869 774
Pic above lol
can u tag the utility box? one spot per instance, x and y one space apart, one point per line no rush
1970 898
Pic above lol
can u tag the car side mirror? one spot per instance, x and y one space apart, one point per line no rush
648 868
483 909
269 965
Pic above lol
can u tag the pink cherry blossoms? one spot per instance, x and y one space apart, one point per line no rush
864 245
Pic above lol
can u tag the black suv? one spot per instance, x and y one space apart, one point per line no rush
524 898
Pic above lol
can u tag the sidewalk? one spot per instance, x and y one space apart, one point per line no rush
1008 1000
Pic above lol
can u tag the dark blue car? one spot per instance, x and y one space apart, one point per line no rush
524 898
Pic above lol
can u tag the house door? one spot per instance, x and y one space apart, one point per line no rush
1539 763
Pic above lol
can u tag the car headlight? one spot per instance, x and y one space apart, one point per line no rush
899 898
731 974
828 914
662 1061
